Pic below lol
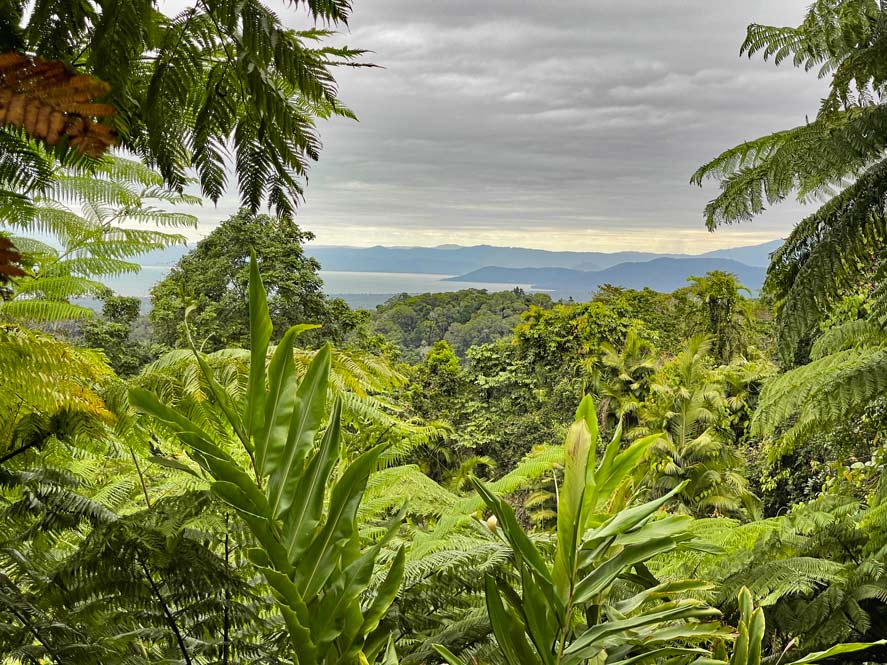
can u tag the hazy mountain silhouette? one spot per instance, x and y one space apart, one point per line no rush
661 274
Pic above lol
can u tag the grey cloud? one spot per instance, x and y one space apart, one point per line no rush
562 121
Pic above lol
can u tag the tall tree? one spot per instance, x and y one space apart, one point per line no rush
724 312
215 278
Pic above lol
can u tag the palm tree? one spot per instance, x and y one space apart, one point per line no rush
696 445
621 378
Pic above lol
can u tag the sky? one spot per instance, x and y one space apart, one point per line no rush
556 124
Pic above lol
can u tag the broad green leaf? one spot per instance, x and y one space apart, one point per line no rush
514 533
448 655
236 498
355 581
666 589
299 635
606 573
272 553
173 464
577 450
656 654
628 519
259 337
508 629
838 650
222 398
677 526
222 467
302 518
755 636
589 642
390 653
308 413
587 413
740 646
605 467
621 467
697 631
541 623
323 555
297 617
148 403
746 604
385 594
279 402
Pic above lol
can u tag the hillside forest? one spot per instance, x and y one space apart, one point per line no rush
254 472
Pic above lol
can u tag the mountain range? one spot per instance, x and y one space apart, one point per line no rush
660 274
458 260
562 274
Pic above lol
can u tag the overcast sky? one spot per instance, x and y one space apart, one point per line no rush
560 124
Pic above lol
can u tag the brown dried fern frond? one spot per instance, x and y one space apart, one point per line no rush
10 258
53 103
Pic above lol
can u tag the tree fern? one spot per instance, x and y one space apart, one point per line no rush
838 155
846 374
87 219
213 79
46 377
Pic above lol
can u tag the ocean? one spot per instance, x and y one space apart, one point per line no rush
359 289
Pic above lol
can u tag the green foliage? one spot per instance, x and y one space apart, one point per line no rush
841 150
668 318
87 222
695 451
214 278
817 572
567 332
748 647
214 77
462 318
158 585
621 379
49 388
261 454
113 334
725 313
567 611
844 377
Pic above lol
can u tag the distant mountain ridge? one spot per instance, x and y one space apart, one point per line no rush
660 274
458 260
563 274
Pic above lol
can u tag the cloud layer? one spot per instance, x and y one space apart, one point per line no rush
555 123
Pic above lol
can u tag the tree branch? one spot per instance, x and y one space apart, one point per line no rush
170 619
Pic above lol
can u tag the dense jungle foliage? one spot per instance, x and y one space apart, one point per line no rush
261 475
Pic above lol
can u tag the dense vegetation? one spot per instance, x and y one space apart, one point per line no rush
462 318
694 477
